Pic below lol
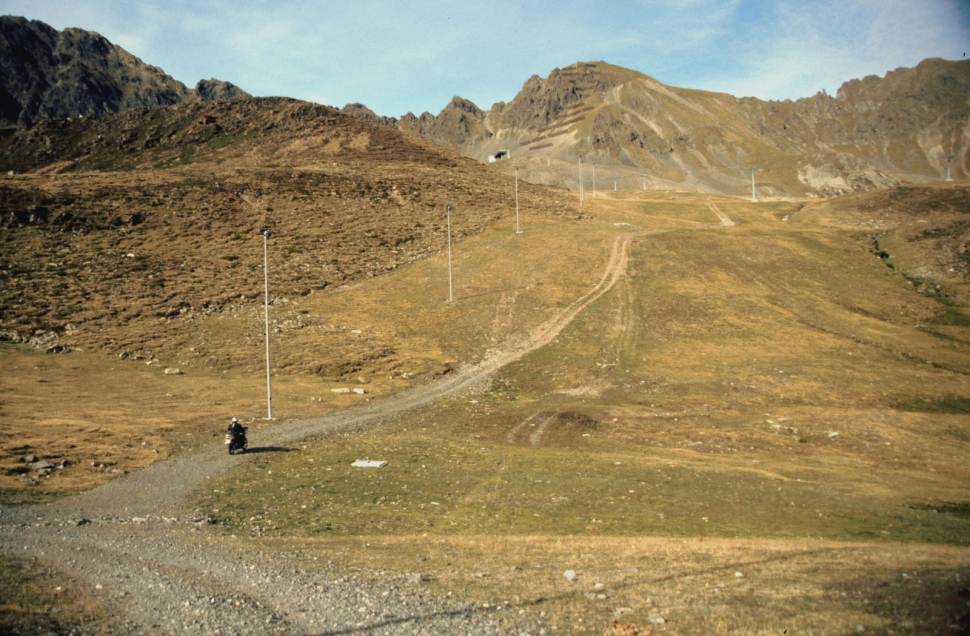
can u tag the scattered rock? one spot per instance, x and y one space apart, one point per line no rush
617 628
657 619
570 575
834 435
418 577
359 391
29 459
42 465
340 390
173 371
739 575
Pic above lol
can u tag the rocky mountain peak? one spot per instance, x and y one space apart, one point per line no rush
50 74
876 132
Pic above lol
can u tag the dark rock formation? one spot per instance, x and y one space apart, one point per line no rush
50 74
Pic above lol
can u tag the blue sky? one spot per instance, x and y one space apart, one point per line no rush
397 56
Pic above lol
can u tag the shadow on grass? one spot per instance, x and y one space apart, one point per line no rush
268 449
929 602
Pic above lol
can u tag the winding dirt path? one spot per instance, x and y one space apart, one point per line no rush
137 541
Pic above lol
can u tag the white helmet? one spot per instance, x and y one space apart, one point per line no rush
235 420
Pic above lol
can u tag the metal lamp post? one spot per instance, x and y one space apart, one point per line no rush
948 158
517 230
451 297
267 233
580 182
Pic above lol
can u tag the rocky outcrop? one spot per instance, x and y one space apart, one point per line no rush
212 89
460 125
361 111
50 74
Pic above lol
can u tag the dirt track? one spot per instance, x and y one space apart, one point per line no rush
138 543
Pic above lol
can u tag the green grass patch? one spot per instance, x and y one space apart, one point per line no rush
34 600
952 317
222 140
961 509
450 481
955 404
18 496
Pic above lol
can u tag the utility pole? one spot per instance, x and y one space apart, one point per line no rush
517 230
580 182
614 182
267 233
754 197
451 296
592 165
644 181
948 158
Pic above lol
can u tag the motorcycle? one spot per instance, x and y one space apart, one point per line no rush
237 441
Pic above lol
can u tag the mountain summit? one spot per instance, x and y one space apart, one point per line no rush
875 133
50 74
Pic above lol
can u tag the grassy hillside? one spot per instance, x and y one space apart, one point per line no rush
761 427
771 391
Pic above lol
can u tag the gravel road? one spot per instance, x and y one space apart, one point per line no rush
159 567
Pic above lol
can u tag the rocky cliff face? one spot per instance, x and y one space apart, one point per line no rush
50 74
460 126
875 133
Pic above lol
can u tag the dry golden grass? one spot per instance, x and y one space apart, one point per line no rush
740 381
734 398
802 586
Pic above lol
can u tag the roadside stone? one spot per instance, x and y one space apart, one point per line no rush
418 577
616 628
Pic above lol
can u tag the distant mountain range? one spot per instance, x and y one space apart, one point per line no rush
50 74
630 130
874 133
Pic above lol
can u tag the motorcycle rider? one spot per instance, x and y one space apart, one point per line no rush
238 436
236 428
